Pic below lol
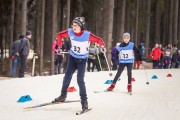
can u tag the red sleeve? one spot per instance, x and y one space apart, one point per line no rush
96 39
61 35
151 53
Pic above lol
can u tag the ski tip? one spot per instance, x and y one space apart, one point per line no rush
83 111
96 91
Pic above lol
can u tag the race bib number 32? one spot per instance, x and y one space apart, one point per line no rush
126 54
80 47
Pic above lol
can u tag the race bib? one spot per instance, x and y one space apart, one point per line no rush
126 54
80 47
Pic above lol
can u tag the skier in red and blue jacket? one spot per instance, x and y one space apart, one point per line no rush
80 40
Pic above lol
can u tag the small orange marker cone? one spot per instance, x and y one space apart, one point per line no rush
71 89
133 80
169 75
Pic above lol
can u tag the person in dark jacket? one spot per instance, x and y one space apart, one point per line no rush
138 57
176 59
24 52
15 55
114 57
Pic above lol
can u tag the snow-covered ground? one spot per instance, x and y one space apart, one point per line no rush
160 100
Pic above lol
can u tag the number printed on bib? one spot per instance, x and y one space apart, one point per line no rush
80 47
126 54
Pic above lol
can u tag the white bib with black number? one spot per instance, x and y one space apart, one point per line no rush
80 48
126 54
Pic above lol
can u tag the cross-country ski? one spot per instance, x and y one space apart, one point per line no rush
49 103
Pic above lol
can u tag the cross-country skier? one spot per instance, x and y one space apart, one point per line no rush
80 40
126 59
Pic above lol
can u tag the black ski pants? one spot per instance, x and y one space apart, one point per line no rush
120 70
80 65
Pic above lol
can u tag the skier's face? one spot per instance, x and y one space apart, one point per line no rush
126 39
76 28
29 37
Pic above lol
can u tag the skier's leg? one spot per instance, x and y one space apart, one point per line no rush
118 74
129 73
71 67
80 80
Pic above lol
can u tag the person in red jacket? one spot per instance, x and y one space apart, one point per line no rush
155 56
80 40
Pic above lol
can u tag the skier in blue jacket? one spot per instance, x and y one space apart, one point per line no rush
126 59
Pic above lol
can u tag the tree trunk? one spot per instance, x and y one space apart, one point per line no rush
175 21
166 22
59 15
98 21
68 13
11 29
42 36
47 30
54 30
170 21
179 29
157 23
122 21
24 17
108 25
3 46
147 28
17 17
164 29
136 23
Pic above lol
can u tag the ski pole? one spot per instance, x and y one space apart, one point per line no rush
99 62
107 63
33 65
146 75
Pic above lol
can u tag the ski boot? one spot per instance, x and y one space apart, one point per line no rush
129 87
84 104
111 87
61 98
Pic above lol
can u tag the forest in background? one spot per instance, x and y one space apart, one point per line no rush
148 22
